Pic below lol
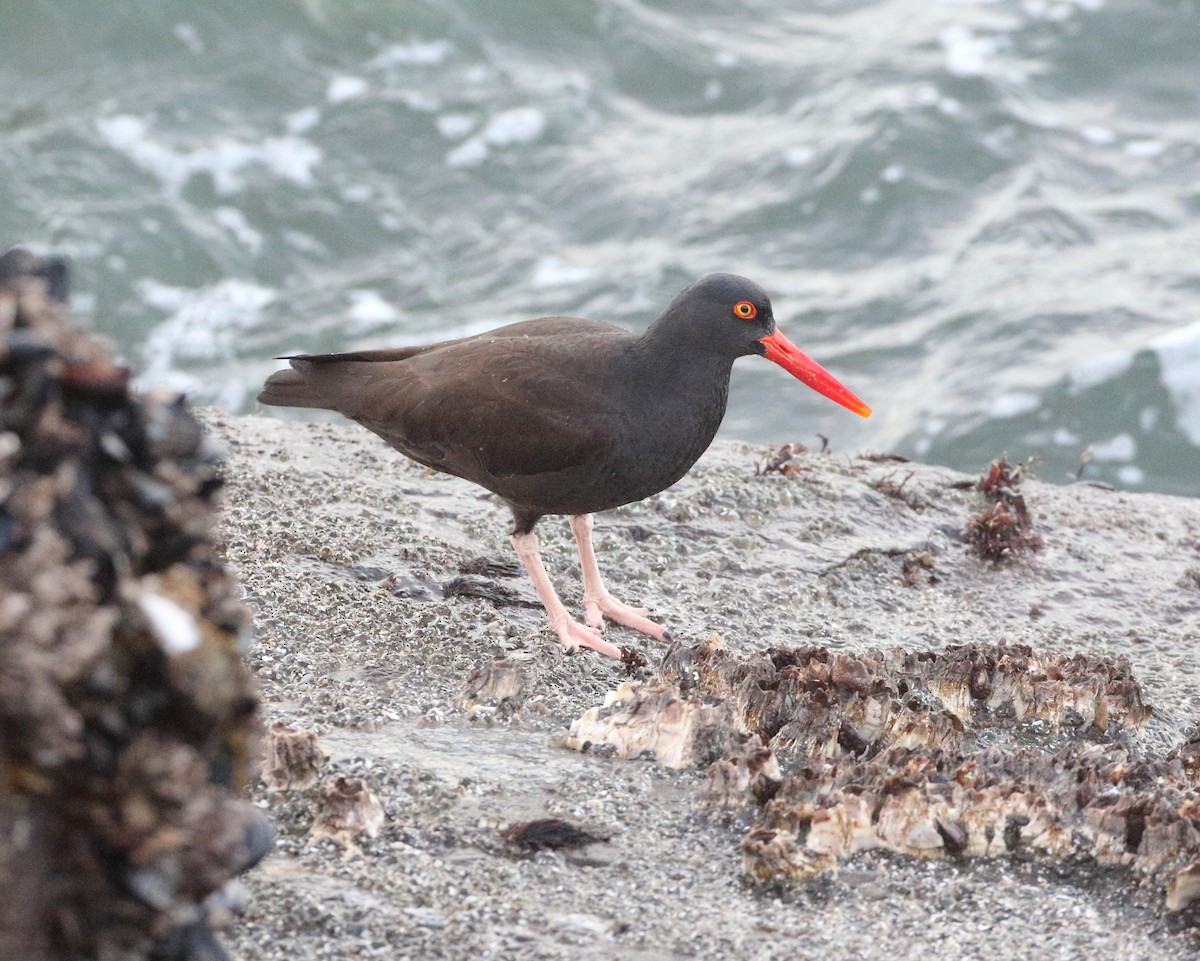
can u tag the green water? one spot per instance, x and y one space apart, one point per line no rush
983 217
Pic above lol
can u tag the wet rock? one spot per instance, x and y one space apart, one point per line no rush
823 569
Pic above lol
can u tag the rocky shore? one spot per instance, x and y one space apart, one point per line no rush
383 595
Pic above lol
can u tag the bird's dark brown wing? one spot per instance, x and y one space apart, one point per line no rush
521 401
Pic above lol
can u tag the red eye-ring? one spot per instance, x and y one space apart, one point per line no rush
745 310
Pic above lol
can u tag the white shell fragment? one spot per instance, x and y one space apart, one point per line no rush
174 628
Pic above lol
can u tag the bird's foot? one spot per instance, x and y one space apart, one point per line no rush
573 635
604 605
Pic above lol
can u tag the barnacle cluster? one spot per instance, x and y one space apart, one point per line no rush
1003 528
977 750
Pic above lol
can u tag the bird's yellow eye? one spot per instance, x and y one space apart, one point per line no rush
745 310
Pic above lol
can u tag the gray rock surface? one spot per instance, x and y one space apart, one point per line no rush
343 547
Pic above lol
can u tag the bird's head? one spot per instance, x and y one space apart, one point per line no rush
733 315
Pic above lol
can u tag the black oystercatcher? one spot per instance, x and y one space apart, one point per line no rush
562 415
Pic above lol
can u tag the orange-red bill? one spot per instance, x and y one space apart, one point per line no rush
797 363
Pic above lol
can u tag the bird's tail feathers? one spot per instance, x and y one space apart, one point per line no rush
288 388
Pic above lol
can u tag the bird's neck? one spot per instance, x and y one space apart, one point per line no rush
682 373
679 394
674 350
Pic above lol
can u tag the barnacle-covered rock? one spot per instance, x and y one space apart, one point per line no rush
1003 528
750 775
653 720
928 754
1183 888
127 721
495 687
814 700
1083 799
769 855
293 758
346 809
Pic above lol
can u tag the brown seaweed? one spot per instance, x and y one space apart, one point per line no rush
548 834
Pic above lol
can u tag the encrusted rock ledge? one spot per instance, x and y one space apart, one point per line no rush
897 637
971 752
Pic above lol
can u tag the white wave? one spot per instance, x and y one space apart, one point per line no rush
967 54
345 88
1096 370
519 125
552 272
224 158
302 120
452 126
1014 404
1130 475
1119 448
1145 148
417 53
203 325
516 126
469 153
368 309
235 222
799 156
189 36
1100 136
1179 358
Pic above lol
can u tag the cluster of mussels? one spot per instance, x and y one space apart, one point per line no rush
127 720
973 751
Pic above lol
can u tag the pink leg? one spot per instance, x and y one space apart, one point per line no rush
569 631
597 602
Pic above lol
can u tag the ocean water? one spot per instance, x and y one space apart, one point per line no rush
984 217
